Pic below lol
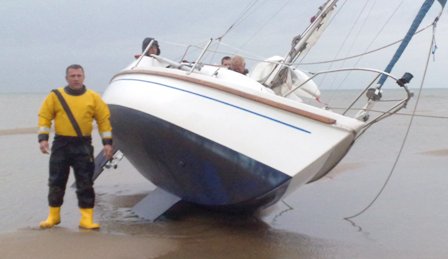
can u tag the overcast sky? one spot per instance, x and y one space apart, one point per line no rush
39 38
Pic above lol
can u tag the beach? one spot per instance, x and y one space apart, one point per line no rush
406 221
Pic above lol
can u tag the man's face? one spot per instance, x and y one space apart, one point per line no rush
226 63
152 50
242 68
238 66
75 78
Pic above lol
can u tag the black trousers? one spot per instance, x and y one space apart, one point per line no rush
69 152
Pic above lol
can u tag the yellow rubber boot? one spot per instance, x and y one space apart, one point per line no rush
87 219
54 218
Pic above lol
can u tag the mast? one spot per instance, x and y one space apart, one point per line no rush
374 94
414 26
302 42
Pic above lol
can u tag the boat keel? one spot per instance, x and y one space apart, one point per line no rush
155 204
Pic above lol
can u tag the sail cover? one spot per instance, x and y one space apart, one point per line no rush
414 26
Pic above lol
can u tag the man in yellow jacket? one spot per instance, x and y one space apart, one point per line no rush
69 150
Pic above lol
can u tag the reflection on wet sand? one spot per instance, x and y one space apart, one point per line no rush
60 242
344 167
202 233
186 231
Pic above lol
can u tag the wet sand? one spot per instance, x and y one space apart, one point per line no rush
185 232
188 233
408 221
182 238
65 243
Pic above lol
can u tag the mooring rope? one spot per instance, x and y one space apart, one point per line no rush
405 136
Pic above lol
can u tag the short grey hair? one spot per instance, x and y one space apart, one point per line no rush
74 66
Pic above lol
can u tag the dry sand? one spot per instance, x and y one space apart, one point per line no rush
18 131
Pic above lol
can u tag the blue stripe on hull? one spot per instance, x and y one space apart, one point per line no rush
218 101
192 167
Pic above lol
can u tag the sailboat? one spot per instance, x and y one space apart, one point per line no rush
213 137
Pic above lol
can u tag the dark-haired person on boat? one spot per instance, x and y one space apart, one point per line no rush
154 49
69 149
226 61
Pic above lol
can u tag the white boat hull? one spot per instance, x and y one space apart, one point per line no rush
216 148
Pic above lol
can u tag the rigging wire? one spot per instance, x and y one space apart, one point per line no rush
265 23
404 138
396 113
243 16
381 48
240 19
353 44
364 53
345 40
434 38
371 42
260 58
247 55
362 27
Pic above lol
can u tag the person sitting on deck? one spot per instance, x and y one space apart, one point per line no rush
238 64
154 49
226 61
